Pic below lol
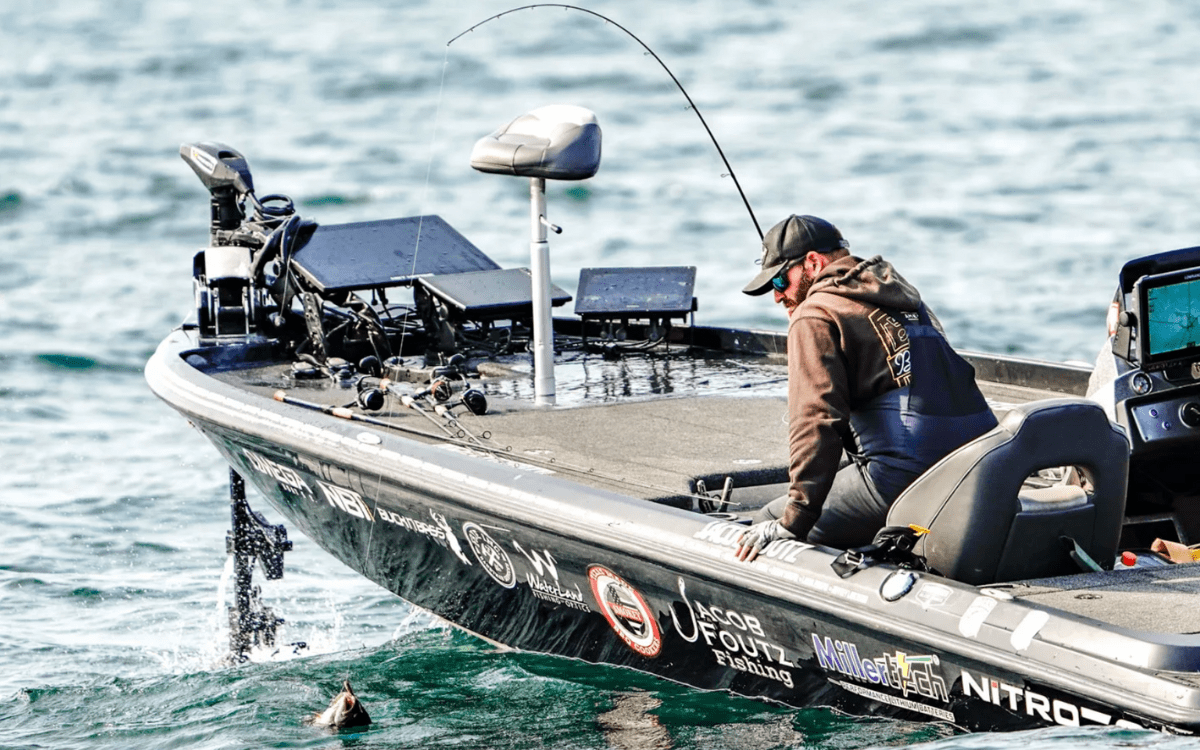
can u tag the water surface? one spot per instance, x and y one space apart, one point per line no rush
1008 158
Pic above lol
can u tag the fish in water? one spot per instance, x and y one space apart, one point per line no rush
344 711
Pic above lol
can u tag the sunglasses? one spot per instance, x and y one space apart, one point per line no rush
780 280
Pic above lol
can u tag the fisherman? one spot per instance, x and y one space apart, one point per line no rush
875 393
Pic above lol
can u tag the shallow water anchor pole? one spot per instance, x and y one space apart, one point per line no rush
250 622
543 325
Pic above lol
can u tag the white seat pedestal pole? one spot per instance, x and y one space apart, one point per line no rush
543 326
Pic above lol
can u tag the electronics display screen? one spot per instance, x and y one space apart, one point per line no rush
490 295
1169 323
391 252
633 292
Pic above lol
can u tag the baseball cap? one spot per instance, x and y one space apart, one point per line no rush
790 239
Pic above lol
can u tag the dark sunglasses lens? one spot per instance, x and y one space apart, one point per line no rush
780 281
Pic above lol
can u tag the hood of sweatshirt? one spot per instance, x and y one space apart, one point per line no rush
873 281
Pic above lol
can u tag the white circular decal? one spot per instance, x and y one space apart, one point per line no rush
491 556
626 611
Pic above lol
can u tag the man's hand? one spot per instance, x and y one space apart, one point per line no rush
756 538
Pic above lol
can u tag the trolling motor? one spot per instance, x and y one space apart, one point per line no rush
227 298
225 173
251 623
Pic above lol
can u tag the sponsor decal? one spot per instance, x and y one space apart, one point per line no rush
736 639
1023 635
451 540
933 595
1050 710
972 620
891 700
908 673
346 500
352 502
287 477
542 578
411 524
439 530
491 556
626 611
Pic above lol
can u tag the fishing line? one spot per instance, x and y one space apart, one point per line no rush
691 104
425 192
437 115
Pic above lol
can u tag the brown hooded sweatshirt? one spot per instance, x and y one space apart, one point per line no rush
843 351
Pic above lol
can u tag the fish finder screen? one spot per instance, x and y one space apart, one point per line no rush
1172 314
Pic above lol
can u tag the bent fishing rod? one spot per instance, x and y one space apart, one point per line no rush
631 35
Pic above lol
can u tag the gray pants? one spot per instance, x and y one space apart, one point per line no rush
852 513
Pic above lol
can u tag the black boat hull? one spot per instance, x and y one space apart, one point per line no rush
540 563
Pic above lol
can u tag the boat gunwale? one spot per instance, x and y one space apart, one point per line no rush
170 360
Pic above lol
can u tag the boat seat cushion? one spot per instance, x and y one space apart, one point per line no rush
558 142
985 528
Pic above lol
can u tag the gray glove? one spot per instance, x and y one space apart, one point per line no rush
756 538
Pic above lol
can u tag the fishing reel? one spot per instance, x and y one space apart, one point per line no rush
440 392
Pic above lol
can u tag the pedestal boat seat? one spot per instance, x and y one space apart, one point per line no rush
984 527
556 142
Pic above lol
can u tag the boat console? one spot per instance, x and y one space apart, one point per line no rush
1156 349
1148 380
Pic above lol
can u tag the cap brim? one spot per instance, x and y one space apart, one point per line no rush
761 284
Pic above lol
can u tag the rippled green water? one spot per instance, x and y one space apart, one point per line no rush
1007 157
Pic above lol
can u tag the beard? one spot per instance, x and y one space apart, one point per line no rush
792 301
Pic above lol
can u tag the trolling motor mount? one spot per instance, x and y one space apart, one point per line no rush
251 623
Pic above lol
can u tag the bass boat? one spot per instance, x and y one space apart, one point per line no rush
575 484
